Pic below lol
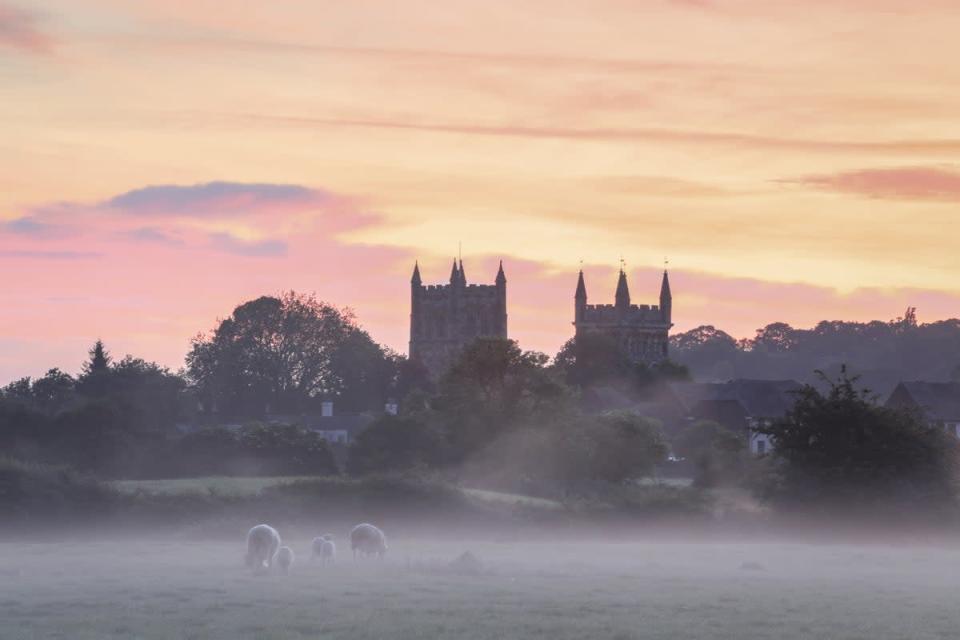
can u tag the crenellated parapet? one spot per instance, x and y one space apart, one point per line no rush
445 318
642 331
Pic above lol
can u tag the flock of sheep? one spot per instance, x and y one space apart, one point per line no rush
264 548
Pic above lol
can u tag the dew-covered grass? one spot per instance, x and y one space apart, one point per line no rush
167 588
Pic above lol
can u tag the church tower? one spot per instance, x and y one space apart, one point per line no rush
446 318
641 331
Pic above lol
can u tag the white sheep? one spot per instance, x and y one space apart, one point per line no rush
367 539
263 541
324 548
285 559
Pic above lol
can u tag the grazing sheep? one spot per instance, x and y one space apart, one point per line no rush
325 549
263 541
368 540
285 559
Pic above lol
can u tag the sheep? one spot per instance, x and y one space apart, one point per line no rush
325 549
263 541
367 540
285 559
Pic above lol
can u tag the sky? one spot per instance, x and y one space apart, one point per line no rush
165 160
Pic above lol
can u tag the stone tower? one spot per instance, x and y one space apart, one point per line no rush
446 318
641 331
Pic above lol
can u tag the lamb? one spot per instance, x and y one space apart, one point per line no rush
263 541
325 549
285 560
367 539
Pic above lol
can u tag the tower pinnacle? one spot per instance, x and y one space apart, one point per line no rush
415 280
454 273
623 291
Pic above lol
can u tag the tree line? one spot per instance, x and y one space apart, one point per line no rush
881 353
501 417
273 355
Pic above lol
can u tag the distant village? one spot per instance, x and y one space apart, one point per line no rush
445 318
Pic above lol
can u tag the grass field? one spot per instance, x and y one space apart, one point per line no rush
243 486
223 485
142 588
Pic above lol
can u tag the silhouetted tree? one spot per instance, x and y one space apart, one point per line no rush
93 380
282 354
155 397
625 446
883 353
592 359
838 450
55 391
20 390
492 386
597 366
95 437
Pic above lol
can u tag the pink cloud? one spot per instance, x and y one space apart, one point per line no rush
910 183
20 30
148 288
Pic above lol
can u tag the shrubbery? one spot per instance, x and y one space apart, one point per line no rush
35 494
253 450
718 456
837 452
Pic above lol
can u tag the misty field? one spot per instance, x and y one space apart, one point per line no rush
161 588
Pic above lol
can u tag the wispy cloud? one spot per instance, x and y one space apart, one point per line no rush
248 219
465 58
20 30
907 183
213 198
28 226
153 235
253 248
634 135
49 255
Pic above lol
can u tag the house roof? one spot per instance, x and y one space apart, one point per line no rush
938 400
759 398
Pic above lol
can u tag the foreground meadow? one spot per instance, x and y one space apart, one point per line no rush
163 588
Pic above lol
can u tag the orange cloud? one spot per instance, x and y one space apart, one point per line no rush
906 183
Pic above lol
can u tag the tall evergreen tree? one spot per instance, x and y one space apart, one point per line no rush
99 359
93 381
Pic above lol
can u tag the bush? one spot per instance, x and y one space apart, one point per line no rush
254 450
718 455
395 443
36 494
838 452
275 450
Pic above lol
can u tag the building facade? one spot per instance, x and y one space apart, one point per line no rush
446 318
641 331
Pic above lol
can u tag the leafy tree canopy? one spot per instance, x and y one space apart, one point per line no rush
883 353
837 449
283 354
